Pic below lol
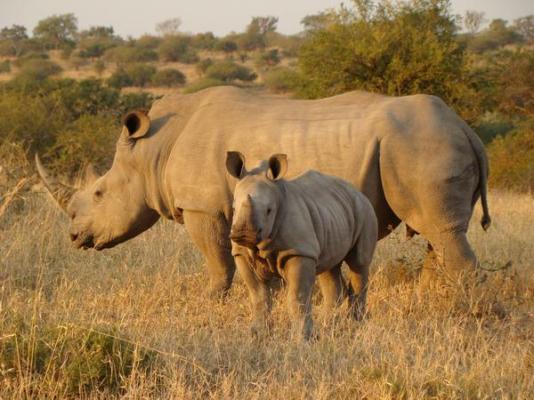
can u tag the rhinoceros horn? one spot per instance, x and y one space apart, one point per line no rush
60 192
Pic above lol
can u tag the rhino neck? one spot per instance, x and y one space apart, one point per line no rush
152 160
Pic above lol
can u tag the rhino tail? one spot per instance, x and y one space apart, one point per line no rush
483 167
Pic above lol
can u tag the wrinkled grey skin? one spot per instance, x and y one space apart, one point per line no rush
297 229
413 157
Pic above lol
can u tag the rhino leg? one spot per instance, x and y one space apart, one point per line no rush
210 234
358 264
299 273
260 299
450 258
332 288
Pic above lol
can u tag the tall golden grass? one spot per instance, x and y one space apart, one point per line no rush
135 322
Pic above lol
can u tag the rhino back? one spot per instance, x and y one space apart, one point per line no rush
339 136
328 135
323 218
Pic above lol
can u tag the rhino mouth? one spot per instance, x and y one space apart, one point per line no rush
84 242
246 238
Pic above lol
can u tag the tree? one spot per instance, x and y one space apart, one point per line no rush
472 21
256 32
227 46
15 36
498 34
169 27
391 48
96 40
106 32
177 48
525 27
318 21
57 31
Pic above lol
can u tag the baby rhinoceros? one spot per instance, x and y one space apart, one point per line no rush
297 229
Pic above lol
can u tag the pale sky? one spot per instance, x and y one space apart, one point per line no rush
135 17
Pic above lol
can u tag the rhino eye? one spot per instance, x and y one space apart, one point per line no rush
98 194
268 211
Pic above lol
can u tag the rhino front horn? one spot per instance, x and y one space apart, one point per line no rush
60 192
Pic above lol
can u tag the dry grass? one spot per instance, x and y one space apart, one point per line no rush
151 293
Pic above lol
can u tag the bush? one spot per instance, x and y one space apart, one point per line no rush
282 80
204 83
203 65
395 48
148 42
268 58
119 79
26 120
512 159
99 67
492 124
32 55
168 77
129 54
177 48
228 71
132 75
226 46
5 67
38 70
48 116
85 140
95 47
82 361
140 74
205 41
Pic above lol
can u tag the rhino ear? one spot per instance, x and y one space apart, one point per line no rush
235 164
277 167
136 124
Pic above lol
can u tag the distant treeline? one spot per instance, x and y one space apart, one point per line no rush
419 46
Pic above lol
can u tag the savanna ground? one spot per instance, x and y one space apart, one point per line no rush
135 322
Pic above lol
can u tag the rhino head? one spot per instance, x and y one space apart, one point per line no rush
112 208
257 198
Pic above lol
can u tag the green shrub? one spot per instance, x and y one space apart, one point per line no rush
136 74
82 361
395 48
141 74
128 54
99 67
85 140
177 48
228 71
268 58
5 67
27 120
148 42
53 117
119 79
226 46
204 83
203 65
37 70
512 159
168 77
133 101
492 124
282 80
32 55
205 41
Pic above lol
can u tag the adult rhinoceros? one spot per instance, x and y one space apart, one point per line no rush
413 157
